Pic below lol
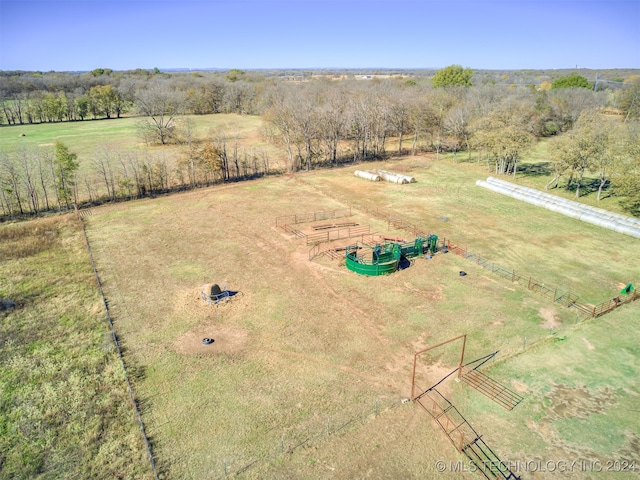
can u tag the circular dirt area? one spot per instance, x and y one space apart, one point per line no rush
227 340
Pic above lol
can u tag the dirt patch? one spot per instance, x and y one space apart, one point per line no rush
519 386
571 402
588 343
434 294
435 372
550 318
580 402
226 340
493 280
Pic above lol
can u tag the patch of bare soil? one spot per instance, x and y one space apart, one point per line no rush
550 318
571 402
519 386
226 340
434 294
578 402
493 280
432 374
588 343
189 300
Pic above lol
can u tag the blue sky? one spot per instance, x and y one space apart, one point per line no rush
517 34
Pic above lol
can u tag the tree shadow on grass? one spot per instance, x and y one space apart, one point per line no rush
590 186
535 169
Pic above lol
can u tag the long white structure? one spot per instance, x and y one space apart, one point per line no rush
392 177
396 177
374 177
593 215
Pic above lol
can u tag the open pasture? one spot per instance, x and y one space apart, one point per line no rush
122 135
310 363
65 411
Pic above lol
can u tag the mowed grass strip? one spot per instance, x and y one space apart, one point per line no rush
64 408
307 342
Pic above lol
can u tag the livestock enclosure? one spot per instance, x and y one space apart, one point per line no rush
308 367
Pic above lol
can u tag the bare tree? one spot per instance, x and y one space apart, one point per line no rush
569 103
421 120
305 118
331 121
399 116
280 114
44 159
189 157
161 106
11 181
28 175
103 165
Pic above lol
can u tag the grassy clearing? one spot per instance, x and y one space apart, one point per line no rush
120 134
309 345
64 408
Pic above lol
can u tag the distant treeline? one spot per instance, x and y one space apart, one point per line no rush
37 97
317 120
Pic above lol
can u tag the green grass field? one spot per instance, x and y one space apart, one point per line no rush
64 408
121 135
315 345
311 361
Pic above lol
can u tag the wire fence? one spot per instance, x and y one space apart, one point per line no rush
321 429
117 345
555 294
550 292
313 433
285 220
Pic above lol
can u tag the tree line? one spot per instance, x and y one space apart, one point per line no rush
327 122
28 98
36 180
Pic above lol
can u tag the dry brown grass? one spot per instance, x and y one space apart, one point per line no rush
307 345
25 239
64 408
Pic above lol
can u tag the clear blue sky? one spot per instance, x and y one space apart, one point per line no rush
517 34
